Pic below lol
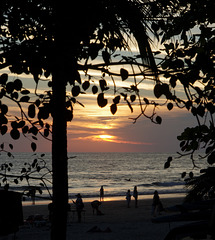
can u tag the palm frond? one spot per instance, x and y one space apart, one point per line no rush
134 15
200 186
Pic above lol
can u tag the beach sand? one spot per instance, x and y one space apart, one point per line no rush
124 223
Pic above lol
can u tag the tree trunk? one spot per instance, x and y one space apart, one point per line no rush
59 157
59 129
64 64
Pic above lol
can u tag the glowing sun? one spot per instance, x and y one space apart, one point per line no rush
106 137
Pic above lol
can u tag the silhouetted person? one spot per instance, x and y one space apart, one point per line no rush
135 195
32 192
128 198
79 206
50 208
95 205
102 193
157 206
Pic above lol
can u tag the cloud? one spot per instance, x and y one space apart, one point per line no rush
109 138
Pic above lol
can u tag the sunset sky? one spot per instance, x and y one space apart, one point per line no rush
95 129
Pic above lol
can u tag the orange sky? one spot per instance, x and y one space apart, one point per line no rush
95 129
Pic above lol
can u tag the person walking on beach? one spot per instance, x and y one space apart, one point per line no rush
102 193
128 198
157 206
79 206
135 195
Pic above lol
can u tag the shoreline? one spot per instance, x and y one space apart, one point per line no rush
109 199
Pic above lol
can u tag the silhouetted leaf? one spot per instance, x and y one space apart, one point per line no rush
158 90
24 99
9 87
146 100
4 109
133 98
35 138
69 115
75 91
183 174
31 111
188 105
16 181
43 113
23 170
25 129
14 124
25 92
33 130
172 81
166 91
21 124
17 84
14 133
116 99
113 108
169 159
194 111
3 78
169 106
46 132
166 165
124 74
33 146
201 111
15 95
191 174
101 101
86 85
37 102
158 119
3 129
94 89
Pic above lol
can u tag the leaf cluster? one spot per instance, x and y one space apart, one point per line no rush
30 172
188 37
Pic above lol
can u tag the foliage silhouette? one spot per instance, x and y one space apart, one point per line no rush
34 40
189 48
36 171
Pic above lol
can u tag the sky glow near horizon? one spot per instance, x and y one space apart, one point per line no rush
95 129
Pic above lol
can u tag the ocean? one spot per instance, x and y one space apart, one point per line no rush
116 172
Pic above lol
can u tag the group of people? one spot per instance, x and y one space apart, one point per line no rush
95 204
128 197
157 206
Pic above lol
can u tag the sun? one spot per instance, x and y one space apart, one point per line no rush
105 137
